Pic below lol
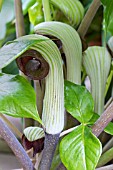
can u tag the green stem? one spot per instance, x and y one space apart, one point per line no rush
46 7
16 147
105 158
82 30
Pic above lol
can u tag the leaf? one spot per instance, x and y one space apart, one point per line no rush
17 97
36 13
93 119
78 102
80 150
109 128
11 51
108 12
33 133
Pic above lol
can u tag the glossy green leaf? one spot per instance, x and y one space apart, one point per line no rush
80 150
78 102
17 97
33 133
36 13
93 119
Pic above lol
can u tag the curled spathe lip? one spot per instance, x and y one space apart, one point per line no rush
33 65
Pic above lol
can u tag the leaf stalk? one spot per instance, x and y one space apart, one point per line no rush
103 121
83 28
16 147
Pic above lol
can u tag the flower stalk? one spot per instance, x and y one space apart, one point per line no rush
83 28
53 113
48 153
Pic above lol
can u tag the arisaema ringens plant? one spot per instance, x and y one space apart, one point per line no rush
40 57
53 104
77 100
